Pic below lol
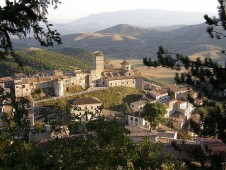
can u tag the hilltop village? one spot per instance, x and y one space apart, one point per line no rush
56 84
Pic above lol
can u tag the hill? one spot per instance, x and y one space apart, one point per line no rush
125 29
126 41
143 17
108 43
35 60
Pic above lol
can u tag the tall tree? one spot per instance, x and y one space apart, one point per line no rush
154 113
125 108
21 18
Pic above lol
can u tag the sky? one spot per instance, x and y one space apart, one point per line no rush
70 10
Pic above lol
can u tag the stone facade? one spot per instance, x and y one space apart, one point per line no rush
57 81
85 108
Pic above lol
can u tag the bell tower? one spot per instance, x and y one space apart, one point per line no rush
98 61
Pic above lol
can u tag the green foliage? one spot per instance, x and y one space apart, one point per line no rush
152 156
74 89
104 144
154 113
37 60
185 135
114 96
81 54
20 19
125 108
212 122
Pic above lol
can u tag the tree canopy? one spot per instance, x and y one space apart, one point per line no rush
154 113
20 19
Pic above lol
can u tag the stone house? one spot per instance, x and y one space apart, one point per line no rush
138 106
135 119
86 108
160 96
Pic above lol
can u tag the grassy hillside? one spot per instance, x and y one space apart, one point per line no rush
35 60
111 98
115 96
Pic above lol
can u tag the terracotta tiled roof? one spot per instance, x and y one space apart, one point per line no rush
86 100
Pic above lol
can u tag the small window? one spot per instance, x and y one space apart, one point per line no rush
91 107
136 120
23 86
131 118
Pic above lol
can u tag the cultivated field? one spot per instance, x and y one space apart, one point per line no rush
159 74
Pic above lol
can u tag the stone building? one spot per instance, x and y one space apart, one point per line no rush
58 82
85 108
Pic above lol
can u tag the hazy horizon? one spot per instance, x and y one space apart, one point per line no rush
70 10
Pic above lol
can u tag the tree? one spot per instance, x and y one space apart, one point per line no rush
154 113
152 156
20 19
125 108
212 122
206 77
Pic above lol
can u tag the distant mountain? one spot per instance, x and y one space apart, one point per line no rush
126 29
168 28
68 28
112 43
143 17
129 41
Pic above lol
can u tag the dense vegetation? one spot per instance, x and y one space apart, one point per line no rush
35 60
80 54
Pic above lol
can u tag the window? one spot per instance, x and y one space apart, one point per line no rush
23 86
131 118
136 120
91 107
17 87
